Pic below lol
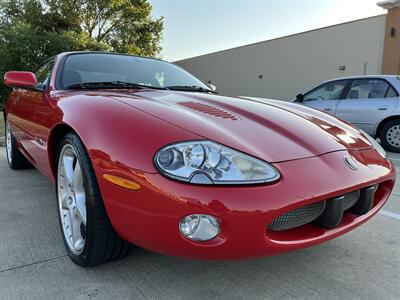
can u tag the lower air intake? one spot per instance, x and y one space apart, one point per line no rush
298 217
350 199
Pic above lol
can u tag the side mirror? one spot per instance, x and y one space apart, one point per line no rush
18 79
300 98
211 87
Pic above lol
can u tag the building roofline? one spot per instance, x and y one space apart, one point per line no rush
278 38
389 4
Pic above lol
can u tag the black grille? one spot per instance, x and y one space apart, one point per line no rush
329 213
350 199
298 217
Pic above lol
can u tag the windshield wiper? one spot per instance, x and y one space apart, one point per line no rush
111 85
190 88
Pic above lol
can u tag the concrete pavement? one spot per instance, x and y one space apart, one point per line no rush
364 264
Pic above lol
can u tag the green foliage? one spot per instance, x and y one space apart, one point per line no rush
33 30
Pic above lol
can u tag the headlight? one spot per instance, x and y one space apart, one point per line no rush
375 144
206 162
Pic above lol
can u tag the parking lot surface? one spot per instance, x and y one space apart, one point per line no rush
363 264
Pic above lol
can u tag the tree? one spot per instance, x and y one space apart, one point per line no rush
32 30
125 25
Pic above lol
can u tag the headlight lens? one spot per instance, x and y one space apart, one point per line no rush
375 144
206 162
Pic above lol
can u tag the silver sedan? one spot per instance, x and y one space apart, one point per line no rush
369 102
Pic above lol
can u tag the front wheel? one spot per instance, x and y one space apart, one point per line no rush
86 230
390 136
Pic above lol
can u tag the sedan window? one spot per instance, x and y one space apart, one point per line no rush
327 91
367 89
391 93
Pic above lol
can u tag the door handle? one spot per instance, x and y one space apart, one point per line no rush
382 108
327 108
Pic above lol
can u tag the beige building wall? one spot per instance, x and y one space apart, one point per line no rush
283 67
391 57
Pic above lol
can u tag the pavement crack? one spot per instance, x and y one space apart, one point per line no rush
32 264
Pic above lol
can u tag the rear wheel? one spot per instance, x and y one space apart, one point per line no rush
86 230
16 160
390 136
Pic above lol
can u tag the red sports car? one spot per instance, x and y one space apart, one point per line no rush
143 153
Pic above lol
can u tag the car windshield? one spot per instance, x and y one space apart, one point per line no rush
101 70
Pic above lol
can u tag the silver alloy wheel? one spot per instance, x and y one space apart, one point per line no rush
9 142
71 199
393 136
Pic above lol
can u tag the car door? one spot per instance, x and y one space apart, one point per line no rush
24 109
21 117
42 111
367 102
325 97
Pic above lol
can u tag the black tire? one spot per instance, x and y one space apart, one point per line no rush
16 160
102 244
387 144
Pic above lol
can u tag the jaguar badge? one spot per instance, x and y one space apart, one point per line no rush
350 162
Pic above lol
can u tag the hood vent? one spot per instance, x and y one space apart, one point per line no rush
210 110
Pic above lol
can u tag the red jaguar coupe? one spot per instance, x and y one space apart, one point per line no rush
143 153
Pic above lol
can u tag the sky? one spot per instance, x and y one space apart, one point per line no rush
196 27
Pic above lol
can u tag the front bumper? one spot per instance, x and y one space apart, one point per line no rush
149 218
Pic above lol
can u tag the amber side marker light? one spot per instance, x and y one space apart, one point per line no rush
122 182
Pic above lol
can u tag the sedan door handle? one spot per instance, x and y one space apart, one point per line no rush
327 109
382 108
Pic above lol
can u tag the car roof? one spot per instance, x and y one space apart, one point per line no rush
63 54
363 76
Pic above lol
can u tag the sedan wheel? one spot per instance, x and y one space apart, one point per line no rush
390 136
393 136
86 230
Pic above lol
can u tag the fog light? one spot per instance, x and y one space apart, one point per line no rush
199 227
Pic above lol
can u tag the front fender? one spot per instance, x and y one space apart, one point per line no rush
116 134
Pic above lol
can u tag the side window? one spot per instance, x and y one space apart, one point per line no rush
327 91
367 89
391 93
43 73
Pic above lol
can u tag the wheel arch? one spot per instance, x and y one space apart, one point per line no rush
55 137
383 122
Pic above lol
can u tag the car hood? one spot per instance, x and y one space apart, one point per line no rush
272 130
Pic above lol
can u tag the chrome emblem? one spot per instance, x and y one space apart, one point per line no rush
350 163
